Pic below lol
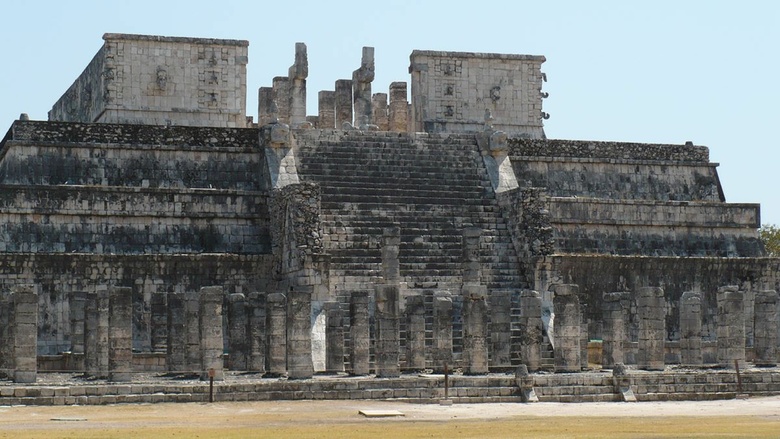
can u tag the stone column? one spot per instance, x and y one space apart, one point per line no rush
77 304
176 359
299 361
614 331
6 334
690 329
531 329
343 102
567 328
297 74
475 310
281 96
277 333
387 313
765 332
731 327
212 345
120 334
334 338
237 332
399 119
96 340
359 333
500 329
361 88
257 331
266 113
651 309
192 326
379 111
415 332
159 322
442 329
327 110
25 330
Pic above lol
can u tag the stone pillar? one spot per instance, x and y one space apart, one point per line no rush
6 334
567 328
399 119
159 311
257 331
212 345
765 333
120 334
297 74
277 333
334 338
343 102
327 110
500 329
731 327
614 330
192 326
237 332
266 113
176 359
415 332
442 330
25 330
690 329
299 361
359 333
651 309
281 96
475 310
96 324
361 88
77 304
387 312
531 329
379 111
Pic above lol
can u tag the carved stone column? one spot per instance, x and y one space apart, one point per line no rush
415 332
475 310
334 338
7 334
567 328
327 110
266 109
77 303
500 329
442 329
256 305
614 331
192 328
343 103
176 359
277 333
212 344
651 308
765 334
299 361
297 74
281 96
690 329
120 334
96 326
379 111
387 313
237 331
531 328
399 108
359 333
361 88
731 327
25 330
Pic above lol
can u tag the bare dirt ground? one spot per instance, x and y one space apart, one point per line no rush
749 418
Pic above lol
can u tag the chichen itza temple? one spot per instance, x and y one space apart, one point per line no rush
424 243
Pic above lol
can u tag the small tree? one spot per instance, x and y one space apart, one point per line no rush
770 237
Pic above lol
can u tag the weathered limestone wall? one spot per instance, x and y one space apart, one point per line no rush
452 90
154 80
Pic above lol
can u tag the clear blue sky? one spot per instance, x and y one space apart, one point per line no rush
656 72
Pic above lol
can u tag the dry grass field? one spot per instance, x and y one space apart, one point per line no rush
752 418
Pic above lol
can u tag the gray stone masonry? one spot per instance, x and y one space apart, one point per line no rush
25 331
387 313
96 325
651 311
326 103
415 332
281 87
379 111
690 329
731 327
277 333
359 333
501 328
6 334
159 314
297 74
361 88
211 340
525 382
614 333
765 333
77 307
343 103
176 358
399 108
299 359
334 338
442 330
475 308
256 308
192 338
531 328
266 112
120 334
567 328
238 326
